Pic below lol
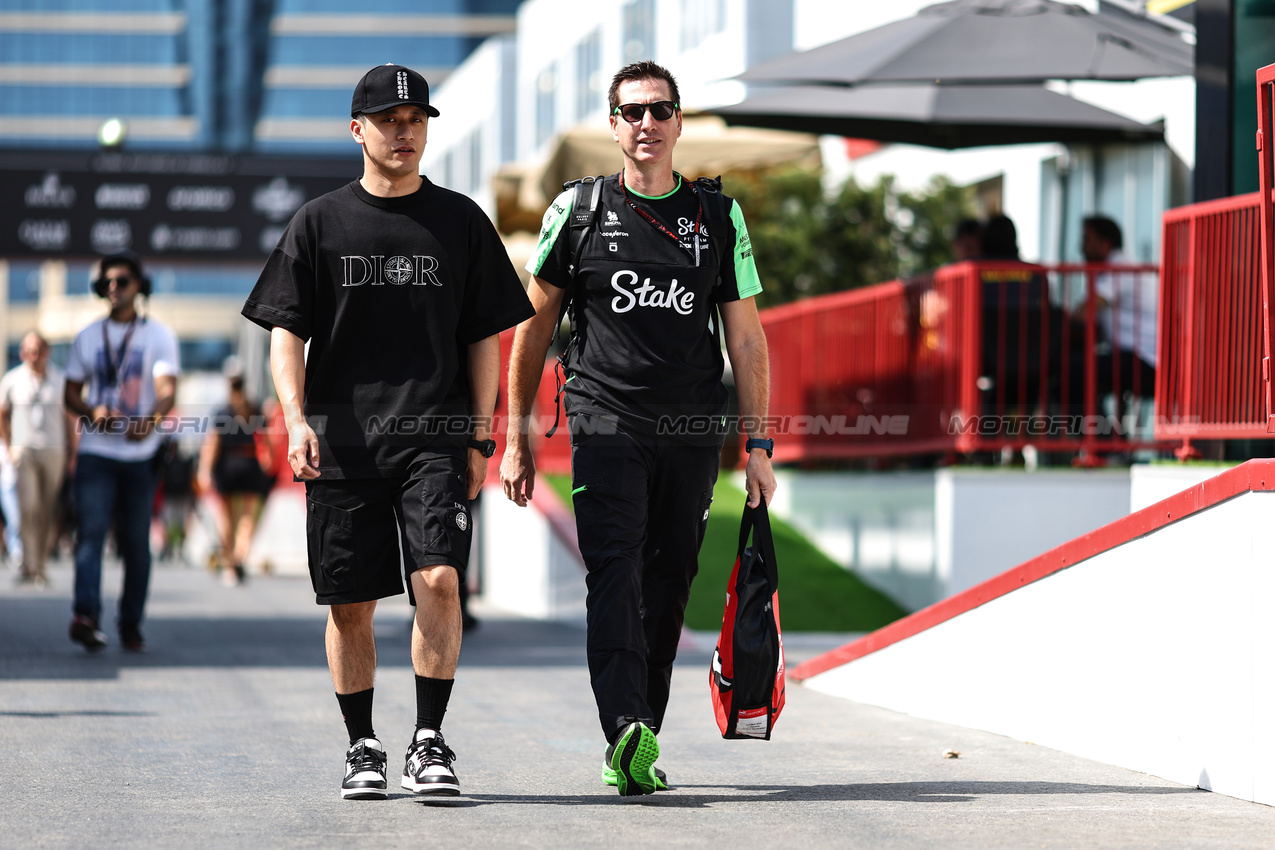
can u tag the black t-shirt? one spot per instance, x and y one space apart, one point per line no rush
389 292
646 354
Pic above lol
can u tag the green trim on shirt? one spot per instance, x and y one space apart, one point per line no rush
676 186
746 279
555 218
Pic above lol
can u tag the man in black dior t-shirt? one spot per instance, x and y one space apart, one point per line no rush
645 404
401 288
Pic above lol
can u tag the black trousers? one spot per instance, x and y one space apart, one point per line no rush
641 508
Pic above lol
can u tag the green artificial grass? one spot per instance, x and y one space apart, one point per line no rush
815 594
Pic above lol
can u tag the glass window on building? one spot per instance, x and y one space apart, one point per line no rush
446 170
204 355
1254 22
588 71
639 31
24 282
475 161
546 97
700 19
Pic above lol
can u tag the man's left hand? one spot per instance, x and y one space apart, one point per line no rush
759 478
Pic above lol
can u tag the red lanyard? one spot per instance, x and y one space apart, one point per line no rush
699 216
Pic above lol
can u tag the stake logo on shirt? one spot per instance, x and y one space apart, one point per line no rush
376 270
677 297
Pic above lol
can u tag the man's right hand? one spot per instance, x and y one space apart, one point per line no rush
303 451
518 472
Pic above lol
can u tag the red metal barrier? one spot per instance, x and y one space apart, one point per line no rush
1210 382
977 357
974 358
553 455
1266 184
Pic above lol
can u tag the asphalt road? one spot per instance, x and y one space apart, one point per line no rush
227 734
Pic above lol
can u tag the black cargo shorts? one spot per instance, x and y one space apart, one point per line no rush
366 536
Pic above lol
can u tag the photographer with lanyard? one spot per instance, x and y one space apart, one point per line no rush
130 365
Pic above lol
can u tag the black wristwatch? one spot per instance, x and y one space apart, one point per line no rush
761 443
487 447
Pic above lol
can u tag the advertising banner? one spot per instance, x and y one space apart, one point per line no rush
170 206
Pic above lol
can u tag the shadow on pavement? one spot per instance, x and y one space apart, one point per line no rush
897 792
34 643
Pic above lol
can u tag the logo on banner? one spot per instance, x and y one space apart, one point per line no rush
165 238
201 198
109 235
45 234
270 237
50 193
278 200
122 196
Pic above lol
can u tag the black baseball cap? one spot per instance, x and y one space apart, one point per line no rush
387 86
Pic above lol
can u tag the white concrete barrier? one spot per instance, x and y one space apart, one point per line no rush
924 536
1149 644
530 562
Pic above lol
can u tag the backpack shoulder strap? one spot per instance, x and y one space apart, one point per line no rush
584 209
586 193
716 216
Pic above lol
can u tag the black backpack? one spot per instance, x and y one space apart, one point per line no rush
584 215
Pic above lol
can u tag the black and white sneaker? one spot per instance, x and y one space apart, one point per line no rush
429 766
364 771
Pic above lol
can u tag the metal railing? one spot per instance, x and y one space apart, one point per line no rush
1210 384
977 357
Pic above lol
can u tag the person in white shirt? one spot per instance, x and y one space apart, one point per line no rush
130 365
36 433
1126 305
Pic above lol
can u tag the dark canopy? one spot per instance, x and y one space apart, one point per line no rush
992 41
937 116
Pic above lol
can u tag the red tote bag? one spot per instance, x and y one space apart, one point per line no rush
746 680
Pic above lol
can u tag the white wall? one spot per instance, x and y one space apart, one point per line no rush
1150 484
526 568
924 536
470 102
914 167
988 521
1157 655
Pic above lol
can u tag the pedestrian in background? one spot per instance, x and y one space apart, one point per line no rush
129 364
1126 304
37 434
401 288
647 287
235 462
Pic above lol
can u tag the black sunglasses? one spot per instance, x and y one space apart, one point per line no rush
661 110
120 280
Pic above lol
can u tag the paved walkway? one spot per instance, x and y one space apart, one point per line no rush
227 735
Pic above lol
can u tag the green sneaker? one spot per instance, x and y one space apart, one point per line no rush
609 775
633 758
